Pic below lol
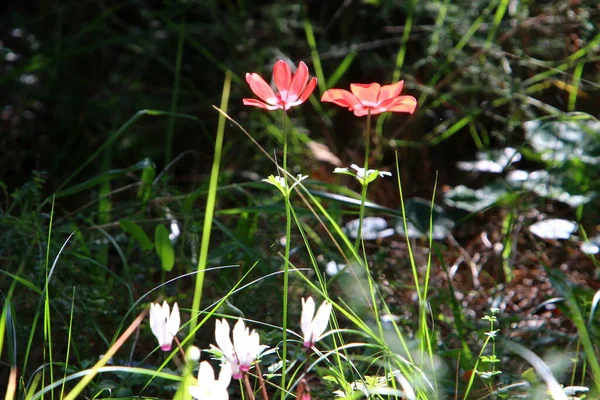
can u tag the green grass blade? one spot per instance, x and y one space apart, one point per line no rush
314 55
62 389
47 317
595 301
439 23
500 12
42 303
575 87
341 69
210 205
560 284
23 282
400 57
7 321
105 359
540 367
102 178
116 135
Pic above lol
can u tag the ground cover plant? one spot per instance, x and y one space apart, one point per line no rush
310 200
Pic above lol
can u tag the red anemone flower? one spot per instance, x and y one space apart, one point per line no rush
291 90
372 98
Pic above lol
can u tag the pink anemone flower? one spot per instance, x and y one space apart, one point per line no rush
291 90
372 98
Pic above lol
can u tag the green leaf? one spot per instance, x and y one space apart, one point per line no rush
418 213
474 200
145 189
164 248
529 375
138 233
22 281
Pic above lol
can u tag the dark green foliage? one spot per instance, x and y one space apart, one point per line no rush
107 114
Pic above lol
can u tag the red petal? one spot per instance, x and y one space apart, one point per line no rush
403 104
368 94
363 111
341 97
298 83
261 88
307 91
258 103
282 75
390 91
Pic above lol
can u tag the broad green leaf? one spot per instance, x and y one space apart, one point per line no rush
474 200
164 248
559 141
137 232
145 189
494 161
553 228
418 213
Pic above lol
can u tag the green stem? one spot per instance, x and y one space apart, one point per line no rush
361 216
288 234
363 196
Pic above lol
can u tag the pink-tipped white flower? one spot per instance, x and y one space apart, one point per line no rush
245 348
164 325
313 328
208 387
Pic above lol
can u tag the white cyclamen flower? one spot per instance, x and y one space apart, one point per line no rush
313 328
208 387
164 325
244 349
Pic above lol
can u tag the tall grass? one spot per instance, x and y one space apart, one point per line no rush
74 277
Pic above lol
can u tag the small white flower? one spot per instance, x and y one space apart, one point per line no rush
164 325
339 170
313 328
360 172
363 177
279 183
208 387
245 348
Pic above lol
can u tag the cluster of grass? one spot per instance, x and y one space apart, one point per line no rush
131 172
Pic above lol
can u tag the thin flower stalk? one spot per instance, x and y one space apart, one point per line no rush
286 267
367 100
292 90
363 194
